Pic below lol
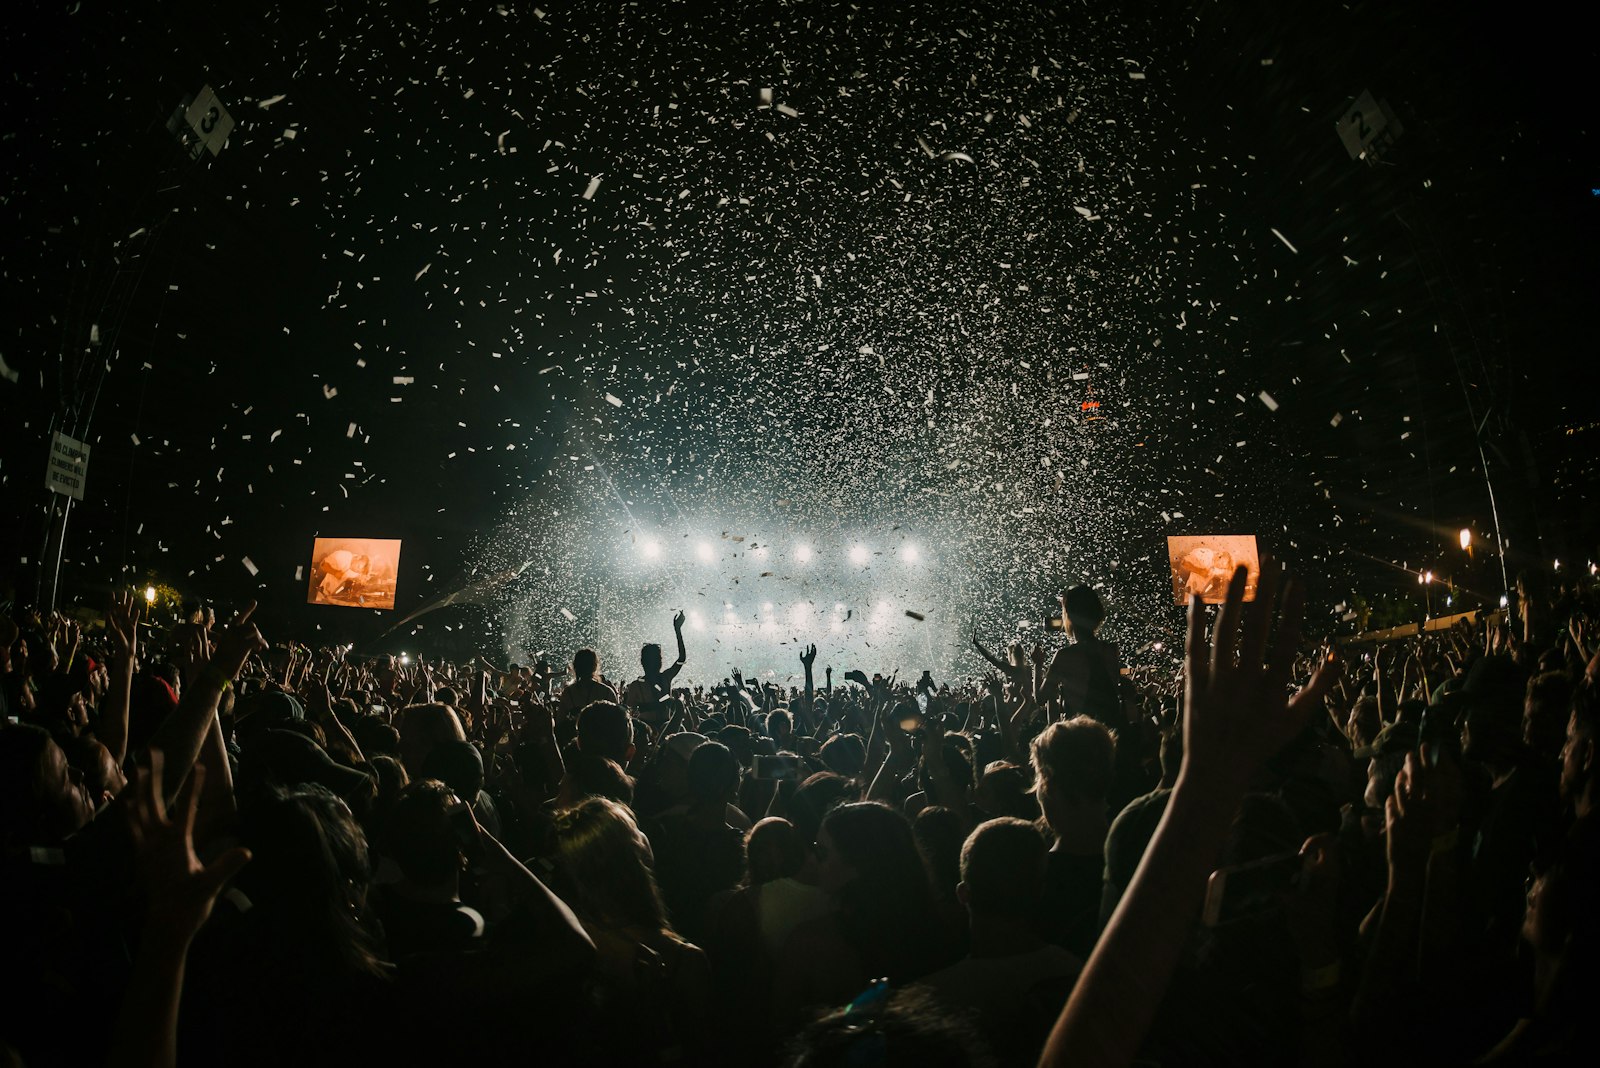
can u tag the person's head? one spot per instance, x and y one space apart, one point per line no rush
419 837
903 1029
713 775
1385 757
585 664
42 798
870 847
1364 722
1002 870
1560 924
650 659
606 862
1003 790
422 728
606 730
774 849
1072 766
591 776
815 798
1578 764
102 777
308 876
1545 711
1085 611
779 724
938 833
458 765
844 754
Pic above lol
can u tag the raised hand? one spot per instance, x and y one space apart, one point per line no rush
1237 714
180 889
122 626
677 621
809 656
236 642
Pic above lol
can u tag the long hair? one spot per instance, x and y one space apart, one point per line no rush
886 912
607 875
307 880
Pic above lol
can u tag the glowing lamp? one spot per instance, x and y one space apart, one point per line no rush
149 595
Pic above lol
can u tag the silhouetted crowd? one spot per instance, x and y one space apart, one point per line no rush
219 850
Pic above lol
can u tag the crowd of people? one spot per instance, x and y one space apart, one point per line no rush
220 850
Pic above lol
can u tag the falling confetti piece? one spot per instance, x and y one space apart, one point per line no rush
1266 398
593 188
249 565
1276 233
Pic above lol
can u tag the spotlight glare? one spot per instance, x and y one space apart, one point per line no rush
803 554
703 550
1466 538
149 595
858 554
910 554
651 549
767 607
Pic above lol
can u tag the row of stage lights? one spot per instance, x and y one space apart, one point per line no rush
859 554
802 616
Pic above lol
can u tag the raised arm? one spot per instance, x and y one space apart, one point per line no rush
181 735
122 628
1237 717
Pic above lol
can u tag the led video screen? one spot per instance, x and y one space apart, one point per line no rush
1203 565
354 572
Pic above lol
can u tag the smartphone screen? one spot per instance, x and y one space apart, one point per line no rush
1247 890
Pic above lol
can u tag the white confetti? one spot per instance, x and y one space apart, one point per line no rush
594 187
1266 398
1279 235
249 565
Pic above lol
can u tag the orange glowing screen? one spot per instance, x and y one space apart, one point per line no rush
354 572
1204 564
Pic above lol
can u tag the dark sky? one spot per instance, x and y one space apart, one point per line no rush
803 316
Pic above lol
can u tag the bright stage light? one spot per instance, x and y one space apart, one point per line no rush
651 548
696 622
803 554
1466 538
767 607
910 554
149 595
704 551
858 554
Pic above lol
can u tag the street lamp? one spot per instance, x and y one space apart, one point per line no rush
149 595
1466 538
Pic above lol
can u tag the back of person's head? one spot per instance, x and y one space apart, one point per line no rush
422 727
418 835
907 1029
375 737
1074 760
1003 790
585 664
845 754
1085 610
779 723
1544 712
713 774
737 738
1002 869
938 833
446 695
606 866
774 849
650 658
598 776
888 901
814 799
307 878
459 765
605 729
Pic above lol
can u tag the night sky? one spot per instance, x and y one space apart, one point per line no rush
526 284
